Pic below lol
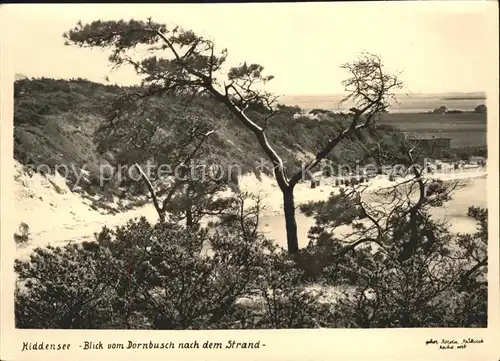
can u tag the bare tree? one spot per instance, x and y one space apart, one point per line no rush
160 147
186 63
388 243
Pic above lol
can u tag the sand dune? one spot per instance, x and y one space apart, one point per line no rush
56 215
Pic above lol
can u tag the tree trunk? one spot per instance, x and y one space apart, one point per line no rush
290 222
189 217
189 206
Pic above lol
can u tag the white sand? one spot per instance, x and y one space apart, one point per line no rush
455 211
303 192
55 215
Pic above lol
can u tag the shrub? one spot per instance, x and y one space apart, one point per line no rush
22 237
164 277
65 288
414 274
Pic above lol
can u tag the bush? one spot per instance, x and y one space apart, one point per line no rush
164 277
417 274
23 235
66 288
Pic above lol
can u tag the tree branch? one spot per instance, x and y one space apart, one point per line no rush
148 183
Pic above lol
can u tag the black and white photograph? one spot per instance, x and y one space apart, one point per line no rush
246 166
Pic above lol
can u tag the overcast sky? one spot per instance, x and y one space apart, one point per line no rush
440 46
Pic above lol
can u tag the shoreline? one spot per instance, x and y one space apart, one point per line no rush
304 193
74 221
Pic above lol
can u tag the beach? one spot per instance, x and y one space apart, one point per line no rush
55 215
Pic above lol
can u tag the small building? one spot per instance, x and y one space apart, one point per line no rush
480 109
431 145
476 160
441 110
441 143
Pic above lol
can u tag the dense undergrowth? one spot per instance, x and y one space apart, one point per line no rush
164 276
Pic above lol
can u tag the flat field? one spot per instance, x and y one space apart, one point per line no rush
464 129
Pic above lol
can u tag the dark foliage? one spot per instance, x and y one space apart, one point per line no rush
58 121
165 277
405 268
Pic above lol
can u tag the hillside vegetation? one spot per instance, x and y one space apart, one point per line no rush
55 123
